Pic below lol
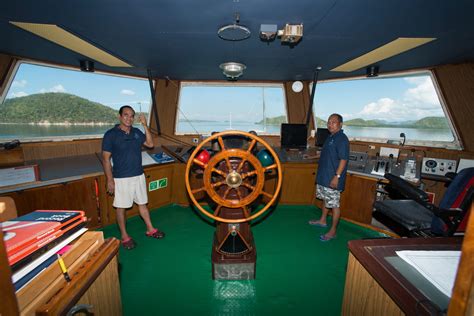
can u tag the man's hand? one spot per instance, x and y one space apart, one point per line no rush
142 119
334 182
111 187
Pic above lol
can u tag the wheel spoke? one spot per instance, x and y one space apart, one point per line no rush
222 173
238 194
218 184
218 209
198 162
221 143
246 211
251 187
241 164
198 190
252 144
274 166
268 195
227 192
248 174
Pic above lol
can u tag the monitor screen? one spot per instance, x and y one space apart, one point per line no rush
321 135
294 136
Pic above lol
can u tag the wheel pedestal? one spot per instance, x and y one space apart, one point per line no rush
233 250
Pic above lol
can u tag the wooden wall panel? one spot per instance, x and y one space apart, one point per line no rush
166 95
47 150
363 295
457 86
6 68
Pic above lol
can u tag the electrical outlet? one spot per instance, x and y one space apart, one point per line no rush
313 133
195 140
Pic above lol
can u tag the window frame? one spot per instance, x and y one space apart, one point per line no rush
185 83
455 144
11 77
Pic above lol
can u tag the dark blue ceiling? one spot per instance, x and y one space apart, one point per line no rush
178 38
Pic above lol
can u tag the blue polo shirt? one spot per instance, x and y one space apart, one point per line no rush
126 151
335 149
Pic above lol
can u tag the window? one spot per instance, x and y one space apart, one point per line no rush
380 109
204 108
45 103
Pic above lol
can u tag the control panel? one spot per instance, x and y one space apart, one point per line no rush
357 161
438 167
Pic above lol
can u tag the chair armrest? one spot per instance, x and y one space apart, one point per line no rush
407 189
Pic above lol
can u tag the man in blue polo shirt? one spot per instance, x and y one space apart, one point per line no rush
126 180
331 175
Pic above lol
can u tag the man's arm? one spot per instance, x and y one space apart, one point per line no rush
108 171
335 180
149 139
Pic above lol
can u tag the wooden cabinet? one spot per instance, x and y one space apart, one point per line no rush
93 269
73 195
298 185
358 198
158 196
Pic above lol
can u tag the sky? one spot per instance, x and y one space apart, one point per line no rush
108 90
391 99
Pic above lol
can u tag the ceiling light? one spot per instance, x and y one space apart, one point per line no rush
398 46
234 32
232 70
62 37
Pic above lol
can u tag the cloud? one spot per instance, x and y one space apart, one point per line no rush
18 94
56 88
393 110
127 92
424 94
415 103
19 84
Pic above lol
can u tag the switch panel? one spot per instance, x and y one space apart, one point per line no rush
438 167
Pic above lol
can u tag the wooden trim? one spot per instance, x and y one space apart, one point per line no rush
380 230
9 305
462 297
81 280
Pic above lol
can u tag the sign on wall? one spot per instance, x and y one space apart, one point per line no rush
158 184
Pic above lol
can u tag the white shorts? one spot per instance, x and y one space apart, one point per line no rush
129 190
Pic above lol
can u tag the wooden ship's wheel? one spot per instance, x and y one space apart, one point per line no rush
233 184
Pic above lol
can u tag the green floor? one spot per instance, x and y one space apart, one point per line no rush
296 273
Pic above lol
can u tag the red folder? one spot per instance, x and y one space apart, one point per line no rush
28 229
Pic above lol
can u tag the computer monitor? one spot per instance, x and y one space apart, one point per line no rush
294 136
321 135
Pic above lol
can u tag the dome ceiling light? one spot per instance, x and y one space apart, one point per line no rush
232 70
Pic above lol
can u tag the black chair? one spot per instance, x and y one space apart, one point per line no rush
414 215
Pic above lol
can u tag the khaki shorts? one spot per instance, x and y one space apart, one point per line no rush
330 196
129 190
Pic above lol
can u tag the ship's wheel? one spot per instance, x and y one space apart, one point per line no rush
234 178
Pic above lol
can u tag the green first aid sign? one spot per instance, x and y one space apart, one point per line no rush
158 184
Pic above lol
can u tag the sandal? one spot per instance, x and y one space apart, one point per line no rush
325 238
128 243
155 234
315 222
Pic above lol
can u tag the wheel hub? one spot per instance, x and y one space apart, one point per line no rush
233 179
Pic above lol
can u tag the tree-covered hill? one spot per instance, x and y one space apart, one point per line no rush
55 108
277 120
426 122
432 122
